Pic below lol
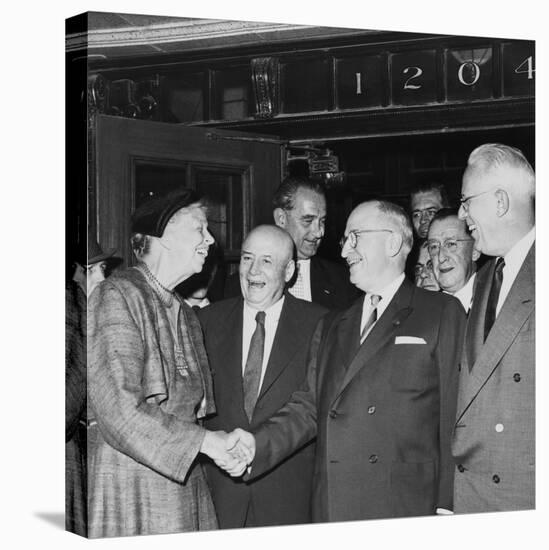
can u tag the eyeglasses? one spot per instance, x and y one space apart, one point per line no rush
465 200
450 245
353 236
420 268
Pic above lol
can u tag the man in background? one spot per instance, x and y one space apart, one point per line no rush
453 255
300 209
426 200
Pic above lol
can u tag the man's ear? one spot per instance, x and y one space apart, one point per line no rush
503 202
394 244
290 269
476 254
280 218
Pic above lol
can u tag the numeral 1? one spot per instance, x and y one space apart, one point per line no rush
358 83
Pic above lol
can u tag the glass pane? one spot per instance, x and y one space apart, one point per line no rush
469 74
233 94
224 192
306 86
155 179
185 98
360 81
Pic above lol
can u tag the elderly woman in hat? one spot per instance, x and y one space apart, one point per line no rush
149 383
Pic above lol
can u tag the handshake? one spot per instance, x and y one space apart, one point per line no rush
232 452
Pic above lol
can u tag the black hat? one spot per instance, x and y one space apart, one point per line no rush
152 216
95 253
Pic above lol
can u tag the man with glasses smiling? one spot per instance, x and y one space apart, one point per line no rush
381 386
494 436
453 255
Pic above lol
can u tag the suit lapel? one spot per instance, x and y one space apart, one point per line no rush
516 309
229 352
382 333
475 326
285 345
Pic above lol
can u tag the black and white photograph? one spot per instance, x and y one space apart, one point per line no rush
299 279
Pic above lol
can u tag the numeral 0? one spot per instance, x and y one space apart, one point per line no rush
470 65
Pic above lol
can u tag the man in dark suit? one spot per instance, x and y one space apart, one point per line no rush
381 385
494 441
283 495
299 207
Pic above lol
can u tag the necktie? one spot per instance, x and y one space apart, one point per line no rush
374 301
493 297
254 361
298 290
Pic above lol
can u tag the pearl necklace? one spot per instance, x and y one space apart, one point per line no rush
164 293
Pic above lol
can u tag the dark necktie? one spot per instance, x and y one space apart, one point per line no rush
252 370
493 297
374 301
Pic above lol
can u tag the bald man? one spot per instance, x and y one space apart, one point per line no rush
257 345
494 436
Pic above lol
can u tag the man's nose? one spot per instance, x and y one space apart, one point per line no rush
462 214
208 238
317 229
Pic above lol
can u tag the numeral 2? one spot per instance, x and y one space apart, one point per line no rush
418 73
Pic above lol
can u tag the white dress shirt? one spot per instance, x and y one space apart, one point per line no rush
272 315
386 294
304 271
465 294
513 262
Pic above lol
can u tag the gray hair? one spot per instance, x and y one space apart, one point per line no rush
494 155
399 221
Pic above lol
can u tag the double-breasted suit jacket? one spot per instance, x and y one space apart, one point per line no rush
382 411
494 442
282 496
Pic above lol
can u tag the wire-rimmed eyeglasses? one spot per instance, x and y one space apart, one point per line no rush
352 236
464 201
449 245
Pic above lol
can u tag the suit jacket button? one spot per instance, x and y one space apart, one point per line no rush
333 414
372 459
516 377
461 468
495 478
371 410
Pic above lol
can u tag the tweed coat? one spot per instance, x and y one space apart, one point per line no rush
494 441
382 411
75 409
283 495
144 396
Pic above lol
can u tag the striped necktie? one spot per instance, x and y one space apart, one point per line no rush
374 301
254 363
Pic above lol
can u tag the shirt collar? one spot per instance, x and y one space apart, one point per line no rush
465 294
387 293
515 257
271 313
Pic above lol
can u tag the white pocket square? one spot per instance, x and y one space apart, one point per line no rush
409 340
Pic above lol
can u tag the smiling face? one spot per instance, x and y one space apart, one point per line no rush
187 239
305 222
424 276
370 265
480 211
424 206
452 268
266 265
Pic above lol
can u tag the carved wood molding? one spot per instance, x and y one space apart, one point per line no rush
265 86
